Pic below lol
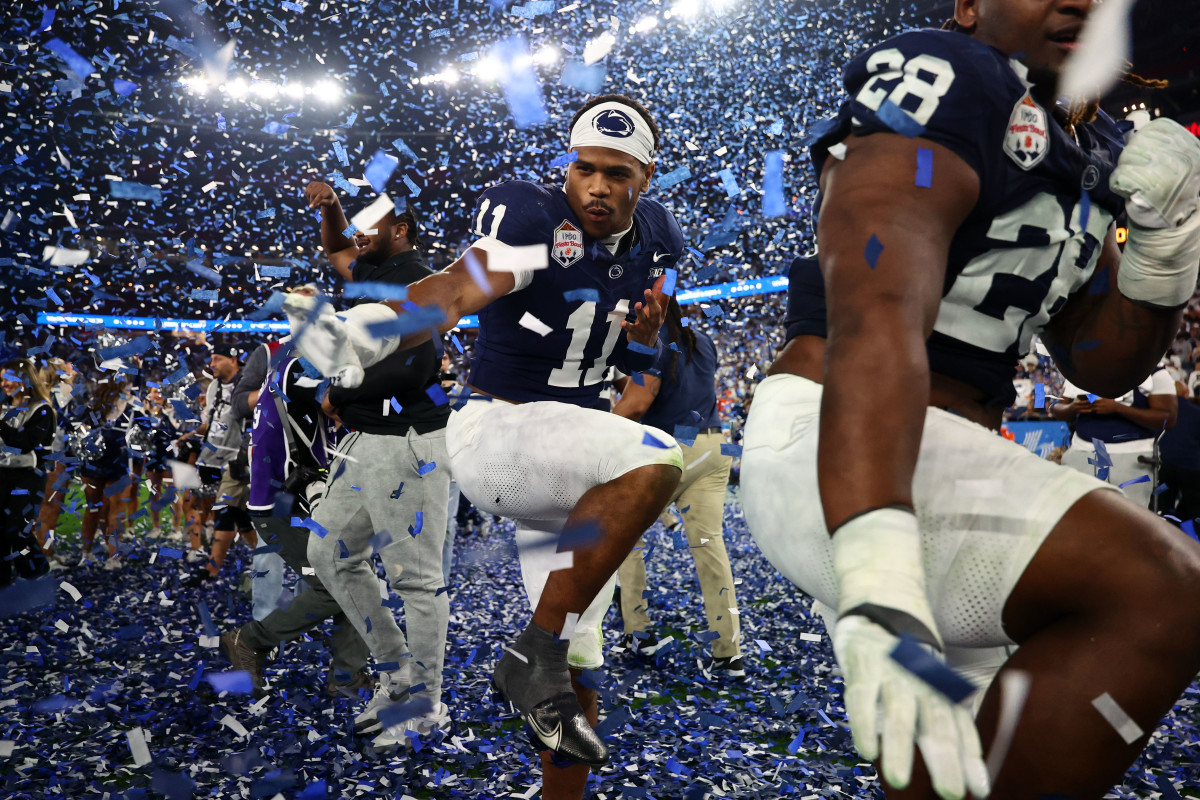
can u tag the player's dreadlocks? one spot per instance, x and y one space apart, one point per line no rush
1079 113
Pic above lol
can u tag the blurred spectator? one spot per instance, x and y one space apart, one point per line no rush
1126 428
26 431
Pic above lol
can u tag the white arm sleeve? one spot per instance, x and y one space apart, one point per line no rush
491 245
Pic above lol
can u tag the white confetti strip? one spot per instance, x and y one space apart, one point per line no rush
569 624
6 748
1124 725
137 746
1014 691
229 722
71 590
810 637
370 216
534 324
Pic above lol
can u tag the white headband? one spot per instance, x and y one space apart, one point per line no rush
616 126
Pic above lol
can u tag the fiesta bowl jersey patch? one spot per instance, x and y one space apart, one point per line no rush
556 338
1034 236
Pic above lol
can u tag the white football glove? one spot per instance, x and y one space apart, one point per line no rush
877 559
1158 174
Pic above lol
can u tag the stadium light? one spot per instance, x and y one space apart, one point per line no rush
328 91
489 68
547 56
237 88
687 8
294 90
265 89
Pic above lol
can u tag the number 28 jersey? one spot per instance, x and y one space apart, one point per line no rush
1044 207
557 334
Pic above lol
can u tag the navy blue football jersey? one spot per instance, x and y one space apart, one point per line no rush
582 297
1044 207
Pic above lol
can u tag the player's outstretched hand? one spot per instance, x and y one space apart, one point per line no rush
650 315
1158 174
320 195
891 710
877 559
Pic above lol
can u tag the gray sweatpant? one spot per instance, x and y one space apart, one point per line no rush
376 489
308 609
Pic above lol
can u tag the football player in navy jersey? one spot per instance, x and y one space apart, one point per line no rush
545 452
962 214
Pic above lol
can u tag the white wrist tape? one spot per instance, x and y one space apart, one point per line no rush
1160 266
877 560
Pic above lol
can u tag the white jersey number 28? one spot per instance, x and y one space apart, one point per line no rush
890 65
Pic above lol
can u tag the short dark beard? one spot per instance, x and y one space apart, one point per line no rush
373 258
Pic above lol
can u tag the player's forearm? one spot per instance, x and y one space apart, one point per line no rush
1116 345
333 223
871 420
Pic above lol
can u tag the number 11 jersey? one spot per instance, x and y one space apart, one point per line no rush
557 334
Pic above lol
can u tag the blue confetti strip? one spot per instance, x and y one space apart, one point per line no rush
584 295
774 202
873 250
379 170
650 441
674 177
587 78
924 168
131 190
899 120
734 450
522 90
1039 395
234 682
77 63
376 290
424 469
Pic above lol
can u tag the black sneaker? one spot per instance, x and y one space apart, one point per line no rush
243 657
361 680
731 667
643 644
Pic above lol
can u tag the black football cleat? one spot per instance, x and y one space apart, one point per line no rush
561 727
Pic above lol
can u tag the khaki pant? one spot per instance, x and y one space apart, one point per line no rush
701 501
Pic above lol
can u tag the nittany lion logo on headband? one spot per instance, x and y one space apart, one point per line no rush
613 122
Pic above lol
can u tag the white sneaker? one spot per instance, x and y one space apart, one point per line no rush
176 535
87 558
392 689
423 726
196 556
156 531
56 563
114 562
